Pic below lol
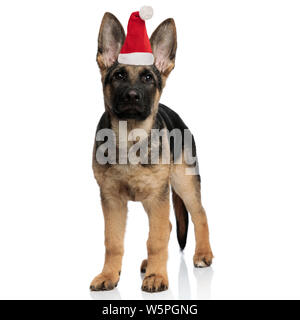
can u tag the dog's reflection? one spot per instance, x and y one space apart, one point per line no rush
184 286
106 295
202 276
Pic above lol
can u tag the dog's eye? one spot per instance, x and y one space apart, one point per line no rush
121 75
147 77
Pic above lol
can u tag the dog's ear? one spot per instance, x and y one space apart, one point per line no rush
110 41
164 45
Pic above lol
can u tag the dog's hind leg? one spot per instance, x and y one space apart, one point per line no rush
115 214
187 187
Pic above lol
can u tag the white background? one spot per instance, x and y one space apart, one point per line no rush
236 85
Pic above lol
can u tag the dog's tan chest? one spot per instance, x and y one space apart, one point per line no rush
134 182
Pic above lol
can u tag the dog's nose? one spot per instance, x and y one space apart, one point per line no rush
132 96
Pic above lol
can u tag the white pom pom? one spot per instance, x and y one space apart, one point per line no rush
146 12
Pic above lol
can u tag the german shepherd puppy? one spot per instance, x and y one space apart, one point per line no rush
132 94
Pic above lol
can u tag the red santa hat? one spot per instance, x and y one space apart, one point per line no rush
136 49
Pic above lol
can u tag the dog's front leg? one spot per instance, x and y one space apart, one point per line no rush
156 278
115 214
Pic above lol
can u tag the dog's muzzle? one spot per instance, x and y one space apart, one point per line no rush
131 106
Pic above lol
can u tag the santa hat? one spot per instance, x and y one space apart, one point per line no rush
136 49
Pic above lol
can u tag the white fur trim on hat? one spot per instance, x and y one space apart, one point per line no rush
136 58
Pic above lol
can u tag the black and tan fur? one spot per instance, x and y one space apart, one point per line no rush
149 184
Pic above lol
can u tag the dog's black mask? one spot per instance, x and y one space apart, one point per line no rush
132 90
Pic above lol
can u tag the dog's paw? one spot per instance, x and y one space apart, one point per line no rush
155 283
104 282
144 266
203 260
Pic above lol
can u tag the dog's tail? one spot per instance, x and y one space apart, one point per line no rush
182 219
